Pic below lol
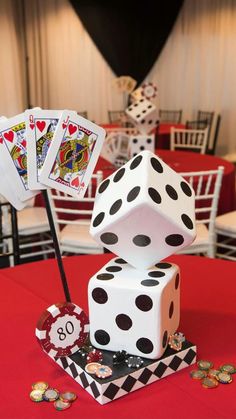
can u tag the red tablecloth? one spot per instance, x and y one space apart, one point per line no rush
184 161
208 318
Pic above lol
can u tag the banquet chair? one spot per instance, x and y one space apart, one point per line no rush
72 219
35 238
207 186
188 139
211 146
168 116
84 114
9 239
225 228
209 117
196 124
116 116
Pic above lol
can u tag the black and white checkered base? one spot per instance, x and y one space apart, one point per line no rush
124 379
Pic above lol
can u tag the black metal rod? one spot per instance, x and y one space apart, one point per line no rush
15 234
56 246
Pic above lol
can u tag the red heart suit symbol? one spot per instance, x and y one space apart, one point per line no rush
63 125
75 182
9 136
72 128
40 125
1 140
23 143
32 126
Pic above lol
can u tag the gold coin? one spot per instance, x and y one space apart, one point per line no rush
209 382
213 373
230 368
198 374
224 378
36 395
40 385
204 365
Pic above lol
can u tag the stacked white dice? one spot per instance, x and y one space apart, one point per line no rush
144 212
144 115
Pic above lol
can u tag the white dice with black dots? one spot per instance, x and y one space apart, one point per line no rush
144 212
144 115
134 310
139 143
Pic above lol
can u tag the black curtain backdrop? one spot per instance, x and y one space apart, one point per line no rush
130 35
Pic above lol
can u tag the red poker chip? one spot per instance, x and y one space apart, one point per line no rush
149 90
62 329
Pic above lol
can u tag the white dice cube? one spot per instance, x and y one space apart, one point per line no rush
139 143
134 310
144 115
144 212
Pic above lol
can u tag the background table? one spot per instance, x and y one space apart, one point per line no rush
162 139
208 318
186 161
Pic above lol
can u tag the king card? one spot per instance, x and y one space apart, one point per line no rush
40 128
73 154
13 155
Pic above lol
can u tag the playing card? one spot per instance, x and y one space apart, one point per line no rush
13 155
40 128
73 154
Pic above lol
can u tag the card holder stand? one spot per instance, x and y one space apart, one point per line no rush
125 380
56 247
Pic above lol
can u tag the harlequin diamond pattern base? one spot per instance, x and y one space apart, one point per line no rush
125 380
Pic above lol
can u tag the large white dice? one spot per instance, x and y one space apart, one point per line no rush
144 211
144 115
134 310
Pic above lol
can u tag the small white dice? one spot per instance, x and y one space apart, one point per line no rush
144 115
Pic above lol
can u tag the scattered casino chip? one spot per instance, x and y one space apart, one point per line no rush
103 371
224 378
67 396
119 357
62 329
209 382
204 365
92 367
175 341
51 395
149 90
37 395
230 368
94 356
60 405
198 374
134 362
213 373
40 385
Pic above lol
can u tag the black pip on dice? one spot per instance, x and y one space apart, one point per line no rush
143 212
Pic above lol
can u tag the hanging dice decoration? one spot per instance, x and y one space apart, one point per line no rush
143 212
144 115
